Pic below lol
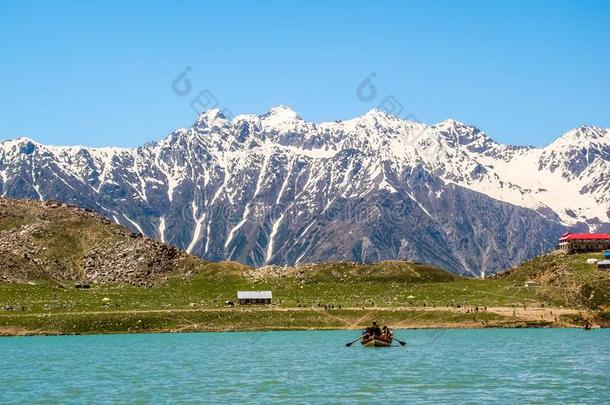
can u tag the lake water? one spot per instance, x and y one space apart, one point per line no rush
505 365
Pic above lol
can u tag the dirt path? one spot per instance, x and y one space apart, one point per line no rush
533 314
359 321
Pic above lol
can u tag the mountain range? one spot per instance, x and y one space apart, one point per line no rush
275 189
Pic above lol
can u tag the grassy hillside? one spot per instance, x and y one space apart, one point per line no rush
566 279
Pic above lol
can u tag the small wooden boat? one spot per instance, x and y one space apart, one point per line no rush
376 341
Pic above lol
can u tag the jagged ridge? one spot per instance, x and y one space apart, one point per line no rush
277 189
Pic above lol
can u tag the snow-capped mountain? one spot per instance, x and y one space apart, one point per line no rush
277 189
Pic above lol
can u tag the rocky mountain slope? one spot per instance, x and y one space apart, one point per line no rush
59 242
274 189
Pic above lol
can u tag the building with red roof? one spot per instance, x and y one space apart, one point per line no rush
584 242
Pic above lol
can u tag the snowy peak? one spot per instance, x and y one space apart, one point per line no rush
374 119
379 115
574 153
575 166
457 133
453 126
282 113
584 136
281 118
19 143
211 118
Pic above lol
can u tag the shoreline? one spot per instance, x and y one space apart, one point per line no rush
28 333
263 319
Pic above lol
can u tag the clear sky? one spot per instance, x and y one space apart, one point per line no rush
100 73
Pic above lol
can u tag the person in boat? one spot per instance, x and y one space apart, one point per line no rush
375 330
386 333
372 330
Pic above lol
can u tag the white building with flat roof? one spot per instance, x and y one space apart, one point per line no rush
254 297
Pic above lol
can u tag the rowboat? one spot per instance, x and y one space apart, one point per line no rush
375 341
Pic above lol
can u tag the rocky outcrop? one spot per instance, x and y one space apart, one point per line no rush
61 243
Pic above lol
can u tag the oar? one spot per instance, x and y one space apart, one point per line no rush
401 342
352 342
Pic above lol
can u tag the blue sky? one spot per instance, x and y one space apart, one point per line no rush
100 73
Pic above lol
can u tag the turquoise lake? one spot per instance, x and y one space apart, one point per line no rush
504 365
